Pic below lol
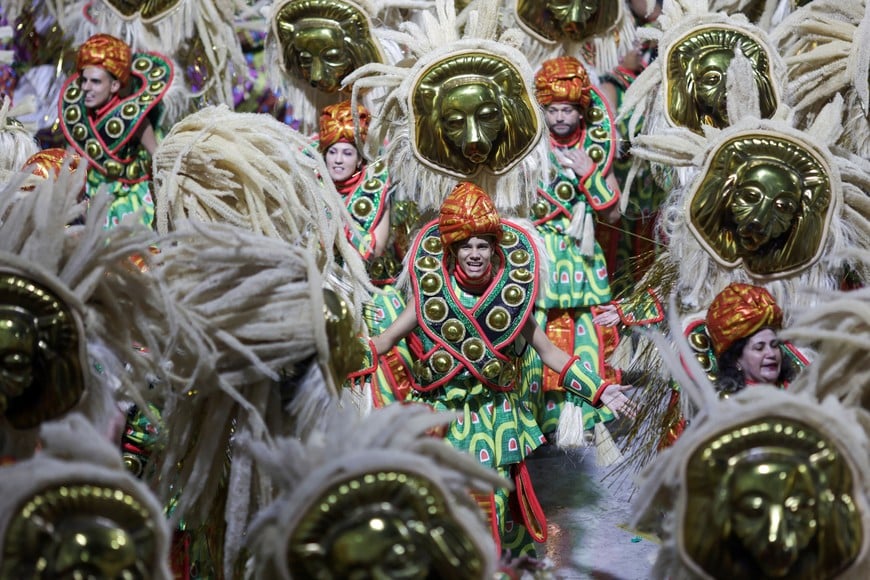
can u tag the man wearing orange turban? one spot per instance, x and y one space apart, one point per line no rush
577 185
473 280
109 120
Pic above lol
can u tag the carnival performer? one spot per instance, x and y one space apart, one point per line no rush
579 185
630 244
365 188
109 114
474 281
743 323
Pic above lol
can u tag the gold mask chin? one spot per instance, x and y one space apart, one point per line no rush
41 353
322 41
696 73
780 500
146 10
567 20
472 111
381 524
764 202
80 530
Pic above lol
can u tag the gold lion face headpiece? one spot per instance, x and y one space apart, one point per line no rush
108 52
764 200
782 499
42 352
567 20
322 41
696 72
472 111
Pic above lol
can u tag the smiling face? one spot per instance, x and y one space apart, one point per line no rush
472 120
98 86
761 358
342 161
474 256
764 205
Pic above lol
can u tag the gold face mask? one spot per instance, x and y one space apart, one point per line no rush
80 530
146 10
764 201
322 41
385 524
696 74
567 20
472 111
781 499
41 353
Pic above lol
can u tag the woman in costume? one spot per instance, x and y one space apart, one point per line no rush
365 189
743 324
109 113
474 281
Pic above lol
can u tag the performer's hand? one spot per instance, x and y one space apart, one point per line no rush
577 160
615 399
609 315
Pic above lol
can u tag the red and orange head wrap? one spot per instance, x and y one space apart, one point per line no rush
108 52
738 312
46 164
467 212
336 125
562 80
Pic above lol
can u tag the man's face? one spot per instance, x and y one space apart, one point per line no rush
98 86
562 118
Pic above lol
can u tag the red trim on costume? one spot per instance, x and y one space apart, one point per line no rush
530 511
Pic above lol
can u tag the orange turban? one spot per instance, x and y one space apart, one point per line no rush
738 312
562 80
468 211
108 52
336 125
47 163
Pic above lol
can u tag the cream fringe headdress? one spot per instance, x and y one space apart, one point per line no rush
92 270
767 14
696 274
646 100
663 484
307 101
79 473
687 273
195 34
826 45
16 142
253 331
252 171
390 463
434 39
599 53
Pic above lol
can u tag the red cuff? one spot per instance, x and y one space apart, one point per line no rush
566 367
596 400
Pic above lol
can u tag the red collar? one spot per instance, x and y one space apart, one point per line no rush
350 184
568 140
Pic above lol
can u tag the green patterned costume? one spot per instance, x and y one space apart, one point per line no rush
578 277
630 248
466 349
367 197
108 137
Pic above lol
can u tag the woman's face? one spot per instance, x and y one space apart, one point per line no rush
761 358
342 161
473 256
